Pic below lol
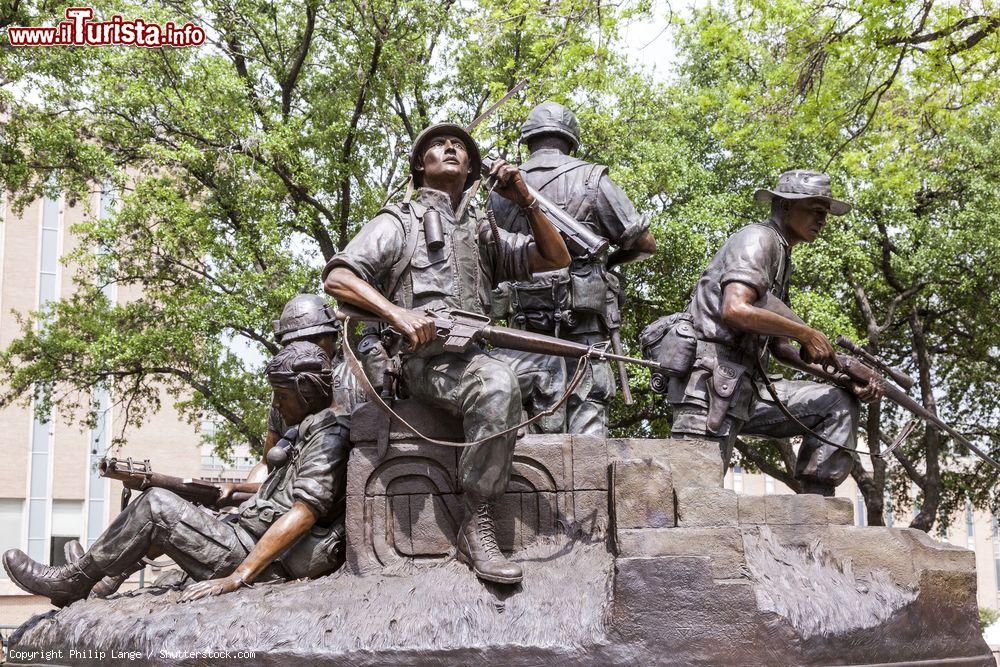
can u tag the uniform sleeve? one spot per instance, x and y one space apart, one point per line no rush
322 466
347 391
372 253
509 259
621 222
751 256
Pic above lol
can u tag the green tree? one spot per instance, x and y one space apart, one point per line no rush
244 164
897 101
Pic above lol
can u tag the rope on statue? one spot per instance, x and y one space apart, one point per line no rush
352 362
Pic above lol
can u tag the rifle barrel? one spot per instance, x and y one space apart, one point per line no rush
861 373
518 339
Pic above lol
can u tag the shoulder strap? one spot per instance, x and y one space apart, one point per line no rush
560 170
402 265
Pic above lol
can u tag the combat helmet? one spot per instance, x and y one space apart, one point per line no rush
305 316
552 118
436 130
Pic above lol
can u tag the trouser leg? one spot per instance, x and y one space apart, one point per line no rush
587 406
689 423
200 543
829 411
542 381
484 392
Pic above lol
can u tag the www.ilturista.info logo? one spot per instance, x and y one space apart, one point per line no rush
79 30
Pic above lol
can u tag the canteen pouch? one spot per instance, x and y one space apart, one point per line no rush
535 304
587 288
671 341
318 552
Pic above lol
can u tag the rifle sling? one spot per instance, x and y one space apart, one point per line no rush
785 411
359 375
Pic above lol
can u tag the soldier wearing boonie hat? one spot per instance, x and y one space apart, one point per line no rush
720 397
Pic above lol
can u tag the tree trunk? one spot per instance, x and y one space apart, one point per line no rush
932 438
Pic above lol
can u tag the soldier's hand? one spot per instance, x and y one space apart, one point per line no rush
212 587
225 495
510 183
817 349
870 392
419 330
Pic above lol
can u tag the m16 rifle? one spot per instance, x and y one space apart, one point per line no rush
139 476
861 369
459 330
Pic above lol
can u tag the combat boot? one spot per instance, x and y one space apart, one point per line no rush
62 585
106 586
818 488
477 546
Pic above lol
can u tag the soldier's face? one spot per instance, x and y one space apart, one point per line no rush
806 218
446 161
286 401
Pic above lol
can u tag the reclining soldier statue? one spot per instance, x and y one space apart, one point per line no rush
438 251
291 528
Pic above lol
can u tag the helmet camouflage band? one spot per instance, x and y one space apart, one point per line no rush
552 118
305 316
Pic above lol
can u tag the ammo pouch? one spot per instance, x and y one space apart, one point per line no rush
538 304
318 552
588 292
671 341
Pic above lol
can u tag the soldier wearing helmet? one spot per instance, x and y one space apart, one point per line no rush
311 318
437 250
579 303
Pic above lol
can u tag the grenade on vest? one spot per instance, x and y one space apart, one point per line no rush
433 233
277 456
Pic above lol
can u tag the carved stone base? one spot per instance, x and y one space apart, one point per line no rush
633 554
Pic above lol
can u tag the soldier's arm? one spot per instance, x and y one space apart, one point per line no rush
644 247
623 224
740 313
282 534
548 251
345 286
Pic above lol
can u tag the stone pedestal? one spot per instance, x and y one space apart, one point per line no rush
633 554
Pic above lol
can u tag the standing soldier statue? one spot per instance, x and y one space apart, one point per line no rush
581 303
438 251
730 333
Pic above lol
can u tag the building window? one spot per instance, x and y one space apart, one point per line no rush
39 484
970 529
67 524
889 518
11 515
738 479
768 484
860 512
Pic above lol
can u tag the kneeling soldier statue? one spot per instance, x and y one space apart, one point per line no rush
731 331
291 528
438 252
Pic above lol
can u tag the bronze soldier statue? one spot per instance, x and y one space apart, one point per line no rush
310 318
581 303
292 527
438 251
305 317
729 335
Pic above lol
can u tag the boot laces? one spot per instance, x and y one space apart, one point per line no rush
486 531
